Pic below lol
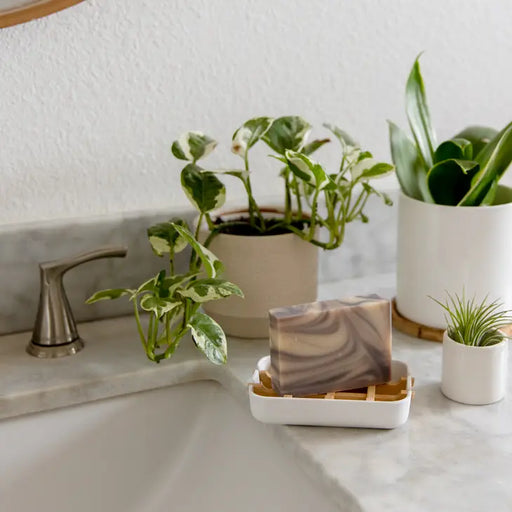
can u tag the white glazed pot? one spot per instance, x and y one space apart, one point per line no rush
474 375
452 248
272 271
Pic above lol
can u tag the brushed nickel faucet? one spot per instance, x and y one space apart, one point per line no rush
55 333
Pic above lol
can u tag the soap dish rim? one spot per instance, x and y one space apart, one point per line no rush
330 412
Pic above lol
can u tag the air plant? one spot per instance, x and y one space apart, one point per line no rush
474 323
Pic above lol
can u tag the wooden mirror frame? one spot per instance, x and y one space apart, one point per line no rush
33 10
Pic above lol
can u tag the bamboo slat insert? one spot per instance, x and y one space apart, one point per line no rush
389 392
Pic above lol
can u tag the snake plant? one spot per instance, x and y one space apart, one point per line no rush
462 171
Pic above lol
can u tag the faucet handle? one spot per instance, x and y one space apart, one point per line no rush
55 333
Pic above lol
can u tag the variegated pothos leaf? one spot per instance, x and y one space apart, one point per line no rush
204 190
209 337
205 290
193 146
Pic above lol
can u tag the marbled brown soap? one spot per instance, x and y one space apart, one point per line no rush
332 345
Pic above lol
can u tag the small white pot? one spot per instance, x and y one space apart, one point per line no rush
272 271
474 375
452 248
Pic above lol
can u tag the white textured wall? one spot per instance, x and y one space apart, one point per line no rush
91 97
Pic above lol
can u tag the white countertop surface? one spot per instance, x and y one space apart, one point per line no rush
447 457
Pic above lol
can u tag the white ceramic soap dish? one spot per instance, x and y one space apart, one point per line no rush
381 406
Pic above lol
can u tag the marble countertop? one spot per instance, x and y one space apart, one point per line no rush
448 456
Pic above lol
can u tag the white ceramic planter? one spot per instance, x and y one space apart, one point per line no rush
474 375
452 248
272 271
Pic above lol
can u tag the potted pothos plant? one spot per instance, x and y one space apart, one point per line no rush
454 216
273 253
173 301
475 350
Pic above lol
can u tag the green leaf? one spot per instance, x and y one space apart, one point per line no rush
410 171
418 114
237 173
494 160
450 180
289 132
377 170
205 191
307 170
344 138
489 198
157 305
458 148
209 337
249 133
193 146
211 263
310 148
163 236
205 290
110 294
479 136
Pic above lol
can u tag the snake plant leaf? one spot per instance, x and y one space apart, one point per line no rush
494 160
193 146
479 136
418 114
450 180
288 132
204 190
489 198
211 263
205 290
111 294
163 237
209 337
157 305
248 134
410 170
307 170
310 148
458 148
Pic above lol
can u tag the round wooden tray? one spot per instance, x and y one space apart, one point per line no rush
402 324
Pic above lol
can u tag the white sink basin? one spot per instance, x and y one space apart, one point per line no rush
190 447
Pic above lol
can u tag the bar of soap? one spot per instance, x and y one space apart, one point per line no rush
333 345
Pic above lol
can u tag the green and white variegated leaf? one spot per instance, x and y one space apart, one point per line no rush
205 290
163 236
156 305
209 338
193 146
110 294
204 190
289 132
173 283
310 148
241 174
307 170
346 141
249 133
370 168
418 114
211 263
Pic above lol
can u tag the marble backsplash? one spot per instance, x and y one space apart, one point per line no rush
368 249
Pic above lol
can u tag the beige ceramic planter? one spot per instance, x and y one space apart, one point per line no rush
272 271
